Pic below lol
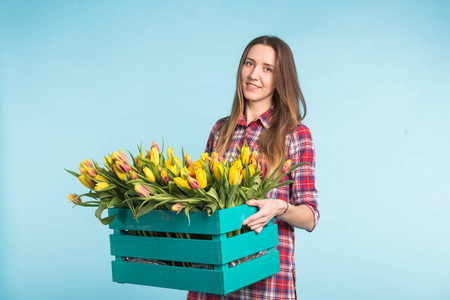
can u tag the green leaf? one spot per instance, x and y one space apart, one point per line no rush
73 173
98 214
116 201
146 209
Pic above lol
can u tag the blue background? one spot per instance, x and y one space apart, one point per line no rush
80 79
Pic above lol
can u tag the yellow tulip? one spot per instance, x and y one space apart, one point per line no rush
218 169
185 174
204 156
251 169
139 162
181 182
173 169
108 161
177 162
200 175
89 183
154 156
120 174
163 174
101 185
170 154
236 164
149 174
234 176
245 155
133 175
155 145
100 177
195 165
254 158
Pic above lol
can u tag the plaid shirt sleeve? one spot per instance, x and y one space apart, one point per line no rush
300 148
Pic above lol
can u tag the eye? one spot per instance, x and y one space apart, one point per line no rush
248 63
267 69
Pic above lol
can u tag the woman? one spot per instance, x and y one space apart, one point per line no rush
266 114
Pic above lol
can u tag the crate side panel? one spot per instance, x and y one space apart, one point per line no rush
173 249
165 221
249 243
190 279
252 271
231 218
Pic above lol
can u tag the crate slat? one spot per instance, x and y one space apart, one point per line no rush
222 221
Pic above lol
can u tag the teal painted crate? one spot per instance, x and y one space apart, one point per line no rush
217 252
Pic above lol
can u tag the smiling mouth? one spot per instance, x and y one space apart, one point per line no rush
252 86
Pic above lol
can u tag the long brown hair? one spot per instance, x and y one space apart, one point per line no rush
287 95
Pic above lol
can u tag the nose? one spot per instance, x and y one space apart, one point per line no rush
254 74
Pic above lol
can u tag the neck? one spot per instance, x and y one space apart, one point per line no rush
254 109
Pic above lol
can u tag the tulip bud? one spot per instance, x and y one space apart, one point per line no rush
120 174
141 190
155 146
200 175
181 182
184 173
85 170
251 169
139 162
123 167
108 161
286 167
234 176
87 163
193 183
188 160
154 156
119 156
149 174
218 170
170 154
237 164
245 155
177 207
204 156
72 198
173 169
196 165
254 159
89 183
133 175
101 185
101 178
163 174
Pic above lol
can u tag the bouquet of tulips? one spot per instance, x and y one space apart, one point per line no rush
152 181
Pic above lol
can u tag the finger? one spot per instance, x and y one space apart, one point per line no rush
253 202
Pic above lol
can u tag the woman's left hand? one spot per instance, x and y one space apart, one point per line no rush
268 208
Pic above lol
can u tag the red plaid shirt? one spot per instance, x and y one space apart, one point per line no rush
299 148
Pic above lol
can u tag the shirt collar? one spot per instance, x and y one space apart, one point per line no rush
265 118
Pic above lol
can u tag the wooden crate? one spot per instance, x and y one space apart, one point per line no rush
217 252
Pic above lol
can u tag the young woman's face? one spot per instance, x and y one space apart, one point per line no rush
257 74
